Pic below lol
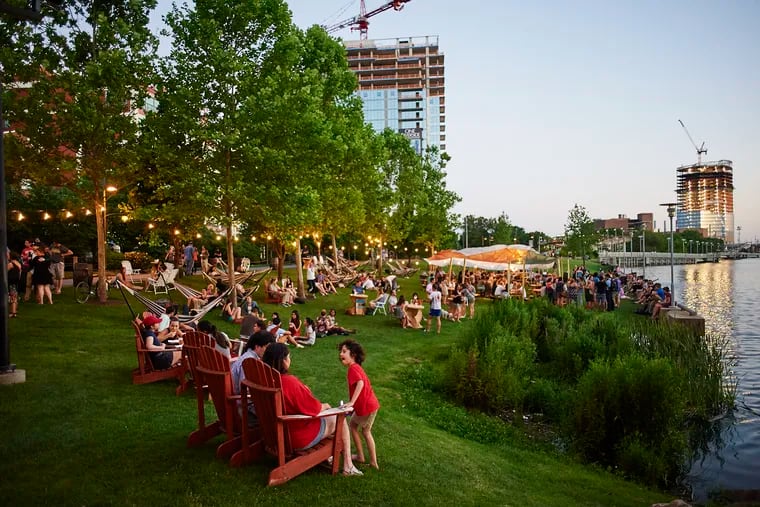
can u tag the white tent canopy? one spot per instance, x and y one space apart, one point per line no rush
493 258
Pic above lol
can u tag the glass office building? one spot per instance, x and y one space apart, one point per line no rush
401 83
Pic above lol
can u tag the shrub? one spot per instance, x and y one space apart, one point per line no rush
631 408
139 260
113 260
493 373
547 397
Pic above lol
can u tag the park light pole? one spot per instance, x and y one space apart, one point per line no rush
671 208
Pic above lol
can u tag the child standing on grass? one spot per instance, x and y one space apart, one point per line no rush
362 399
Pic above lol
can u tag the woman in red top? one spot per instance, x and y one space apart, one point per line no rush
299 400
363 400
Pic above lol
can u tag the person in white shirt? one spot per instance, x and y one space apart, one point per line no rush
435 308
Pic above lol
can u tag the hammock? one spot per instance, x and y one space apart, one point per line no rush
158 309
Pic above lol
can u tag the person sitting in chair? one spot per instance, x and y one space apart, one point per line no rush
299 400
121 276
378 301
160 358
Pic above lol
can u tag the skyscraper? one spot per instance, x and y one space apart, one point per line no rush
706 199
401 84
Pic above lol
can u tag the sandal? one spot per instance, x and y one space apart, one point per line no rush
352 471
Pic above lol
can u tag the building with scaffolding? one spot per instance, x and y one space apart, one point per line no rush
706 199
401 83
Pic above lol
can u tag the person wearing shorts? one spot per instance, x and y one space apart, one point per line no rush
362 399
57 254
298 399
435 308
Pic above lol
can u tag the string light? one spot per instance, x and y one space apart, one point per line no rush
20 216
176 232
46 216
69 214
151 226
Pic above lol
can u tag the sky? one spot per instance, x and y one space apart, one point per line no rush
555 103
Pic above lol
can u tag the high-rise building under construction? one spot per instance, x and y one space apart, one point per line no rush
402 87
706 199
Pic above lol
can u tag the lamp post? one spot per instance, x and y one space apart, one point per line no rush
642 243
671 207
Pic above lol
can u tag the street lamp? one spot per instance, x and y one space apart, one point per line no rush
642 243
671 207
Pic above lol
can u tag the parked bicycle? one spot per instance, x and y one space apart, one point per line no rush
89 288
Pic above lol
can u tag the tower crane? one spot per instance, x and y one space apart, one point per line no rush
361 21
700 149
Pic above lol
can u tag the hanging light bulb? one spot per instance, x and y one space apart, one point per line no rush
46 216
20 216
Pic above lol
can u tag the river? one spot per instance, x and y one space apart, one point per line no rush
727 294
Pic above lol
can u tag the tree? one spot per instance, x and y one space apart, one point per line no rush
433 221
579 231
89 66
223 54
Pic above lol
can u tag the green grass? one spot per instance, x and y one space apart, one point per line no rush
77 432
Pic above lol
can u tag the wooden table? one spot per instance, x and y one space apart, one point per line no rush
414 315
358 303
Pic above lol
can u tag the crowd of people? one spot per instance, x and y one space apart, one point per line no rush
268 342
37 270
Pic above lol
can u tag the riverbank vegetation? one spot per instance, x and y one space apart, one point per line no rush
78 432
626 394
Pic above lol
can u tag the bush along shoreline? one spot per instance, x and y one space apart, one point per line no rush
635 397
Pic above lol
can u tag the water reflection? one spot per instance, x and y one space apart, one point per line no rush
727 295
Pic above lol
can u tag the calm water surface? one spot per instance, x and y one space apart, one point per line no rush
727 294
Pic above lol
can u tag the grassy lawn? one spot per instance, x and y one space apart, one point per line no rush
79 433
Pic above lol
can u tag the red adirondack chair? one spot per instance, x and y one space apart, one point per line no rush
214 370
145 373
264 385
191 350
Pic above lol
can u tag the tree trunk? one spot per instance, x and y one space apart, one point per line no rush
100 224
299 269
280 252
231 265
335 251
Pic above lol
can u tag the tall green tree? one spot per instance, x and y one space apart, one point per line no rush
222 54
434 223
580 233
83 74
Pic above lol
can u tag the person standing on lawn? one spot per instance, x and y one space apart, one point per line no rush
363 400
57 254
298 399
435 308
189 256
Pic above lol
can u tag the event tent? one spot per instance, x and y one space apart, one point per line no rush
493 258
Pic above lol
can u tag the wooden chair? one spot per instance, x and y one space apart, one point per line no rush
193 341
145 373
214 370
265 388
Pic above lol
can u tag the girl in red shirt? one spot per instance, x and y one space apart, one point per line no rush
298 399
363 400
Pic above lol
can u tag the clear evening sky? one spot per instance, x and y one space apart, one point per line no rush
553 103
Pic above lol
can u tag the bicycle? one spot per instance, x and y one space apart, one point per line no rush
85 289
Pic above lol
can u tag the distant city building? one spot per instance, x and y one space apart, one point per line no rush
401 84
706 199
643 221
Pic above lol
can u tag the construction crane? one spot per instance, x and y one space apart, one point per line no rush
700 149
361 22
